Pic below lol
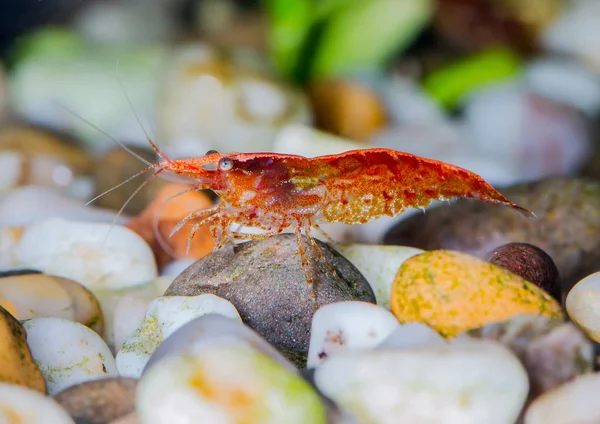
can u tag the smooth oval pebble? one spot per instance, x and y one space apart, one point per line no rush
453 292
19 405
583 305
98 255
110 300
226 384
350 325
470 383
531 263
379 265
572 403
99 401
214 329
9 240
17 365
163 317
67 352
412 334
39 295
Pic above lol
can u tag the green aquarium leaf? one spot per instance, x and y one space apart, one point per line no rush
452 83
289 24
365 34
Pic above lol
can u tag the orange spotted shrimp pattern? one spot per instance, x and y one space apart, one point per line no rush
277 191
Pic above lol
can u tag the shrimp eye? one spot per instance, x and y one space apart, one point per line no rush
211 152
225 164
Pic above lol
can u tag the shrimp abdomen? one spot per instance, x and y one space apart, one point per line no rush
368 184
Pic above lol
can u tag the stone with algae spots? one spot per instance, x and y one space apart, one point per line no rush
454 292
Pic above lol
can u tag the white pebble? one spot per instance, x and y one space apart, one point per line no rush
163 317
128 316
226 384
210 330
20 405
583 305
574 402
412 334
468 383
98 255
351 325
379 265
67 352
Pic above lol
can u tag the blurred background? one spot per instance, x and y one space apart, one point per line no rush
509 89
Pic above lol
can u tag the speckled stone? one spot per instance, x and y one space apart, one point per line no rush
100 401
531 263
453 292
266 283
568 211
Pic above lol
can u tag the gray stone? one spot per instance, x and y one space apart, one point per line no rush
265 281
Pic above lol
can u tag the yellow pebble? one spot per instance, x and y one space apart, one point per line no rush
17 366
453 292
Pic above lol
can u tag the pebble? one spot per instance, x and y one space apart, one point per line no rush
27 205
114 305
163 317
552 351
17 365
36 156
347 108
343 326
378 264
266 282
534 136
210 101
38 295
530 263
412 334
100 401
226 383
477 382
67 352
568 211
209 330
453 292
575 33
582 305
98 255
166 213
9 240
20 405
571 403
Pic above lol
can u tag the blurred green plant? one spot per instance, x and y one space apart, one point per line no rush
314 39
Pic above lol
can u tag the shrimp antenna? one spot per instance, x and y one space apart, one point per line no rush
123 146
137 190
121 184
137 118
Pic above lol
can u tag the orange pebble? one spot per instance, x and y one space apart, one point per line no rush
172 212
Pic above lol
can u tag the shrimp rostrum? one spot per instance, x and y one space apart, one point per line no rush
275 192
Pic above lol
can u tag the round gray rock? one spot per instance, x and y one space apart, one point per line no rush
265 280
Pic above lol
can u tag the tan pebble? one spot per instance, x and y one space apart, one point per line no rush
16 362
454 292
347 109
99 401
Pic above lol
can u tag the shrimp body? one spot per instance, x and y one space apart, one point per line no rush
275 191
